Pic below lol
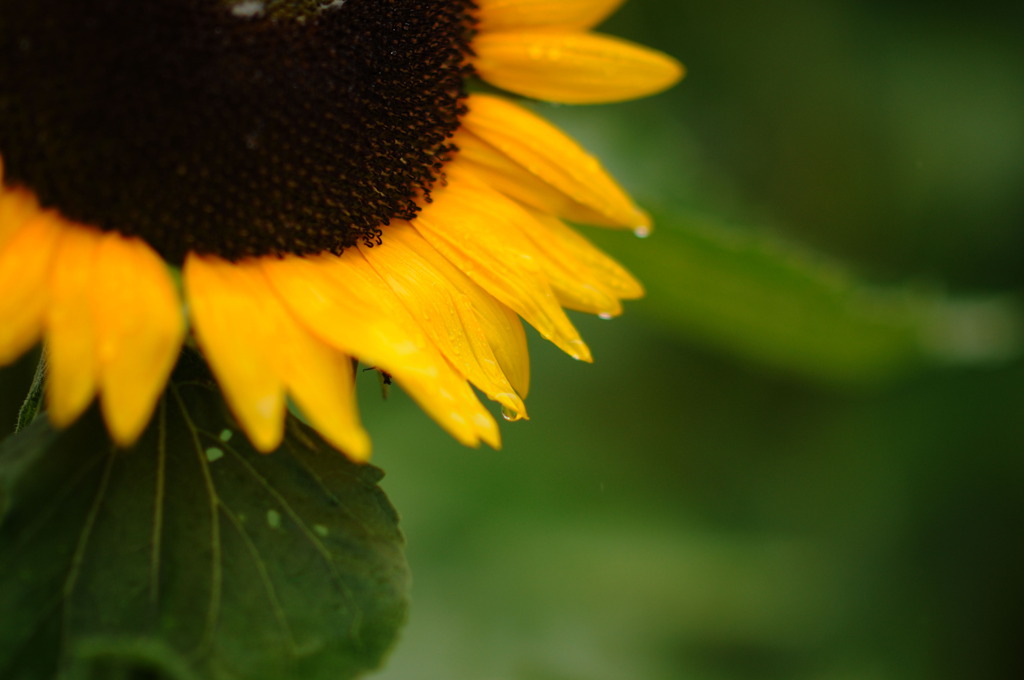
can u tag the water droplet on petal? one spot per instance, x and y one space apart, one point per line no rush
580 352
642 232
510 415
606 316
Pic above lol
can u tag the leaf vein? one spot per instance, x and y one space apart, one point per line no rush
216 557
304 527
74 569
158 504
268 582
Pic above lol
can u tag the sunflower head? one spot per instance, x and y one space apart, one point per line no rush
232 128
327 187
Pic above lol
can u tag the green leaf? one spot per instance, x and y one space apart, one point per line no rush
758 296
191 556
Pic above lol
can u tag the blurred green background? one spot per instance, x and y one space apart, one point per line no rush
801 456
769 472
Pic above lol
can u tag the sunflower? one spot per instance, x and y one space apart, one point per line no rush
293 185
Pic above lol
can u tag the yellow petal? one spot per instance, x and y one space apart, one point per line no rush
611 275
474 228
501 173
507 338
573 283
503 15
573 68
321 381
25 264
445 314
239 342
343 301
532 152
318 377
139 331
17 207
501 325
71 332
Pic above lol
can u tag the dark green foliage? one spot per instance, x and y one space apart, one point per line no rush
191 555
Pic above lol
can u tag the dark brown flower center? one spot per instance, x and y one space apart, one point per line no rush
232 127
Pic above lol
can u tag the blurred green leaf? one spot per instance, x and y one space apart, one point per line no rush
775 302
191 555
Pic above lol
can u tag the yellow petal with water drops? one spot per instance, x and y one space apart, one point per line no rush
72 360
574 283
575 286
507 337
503 15
344 302
445 314
501 326
238 340
25 264
572 68
612 275
537 148
139 327
452 383
472 226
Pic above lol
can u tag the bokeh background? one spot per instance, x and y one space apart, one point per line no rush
695 506
802 455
